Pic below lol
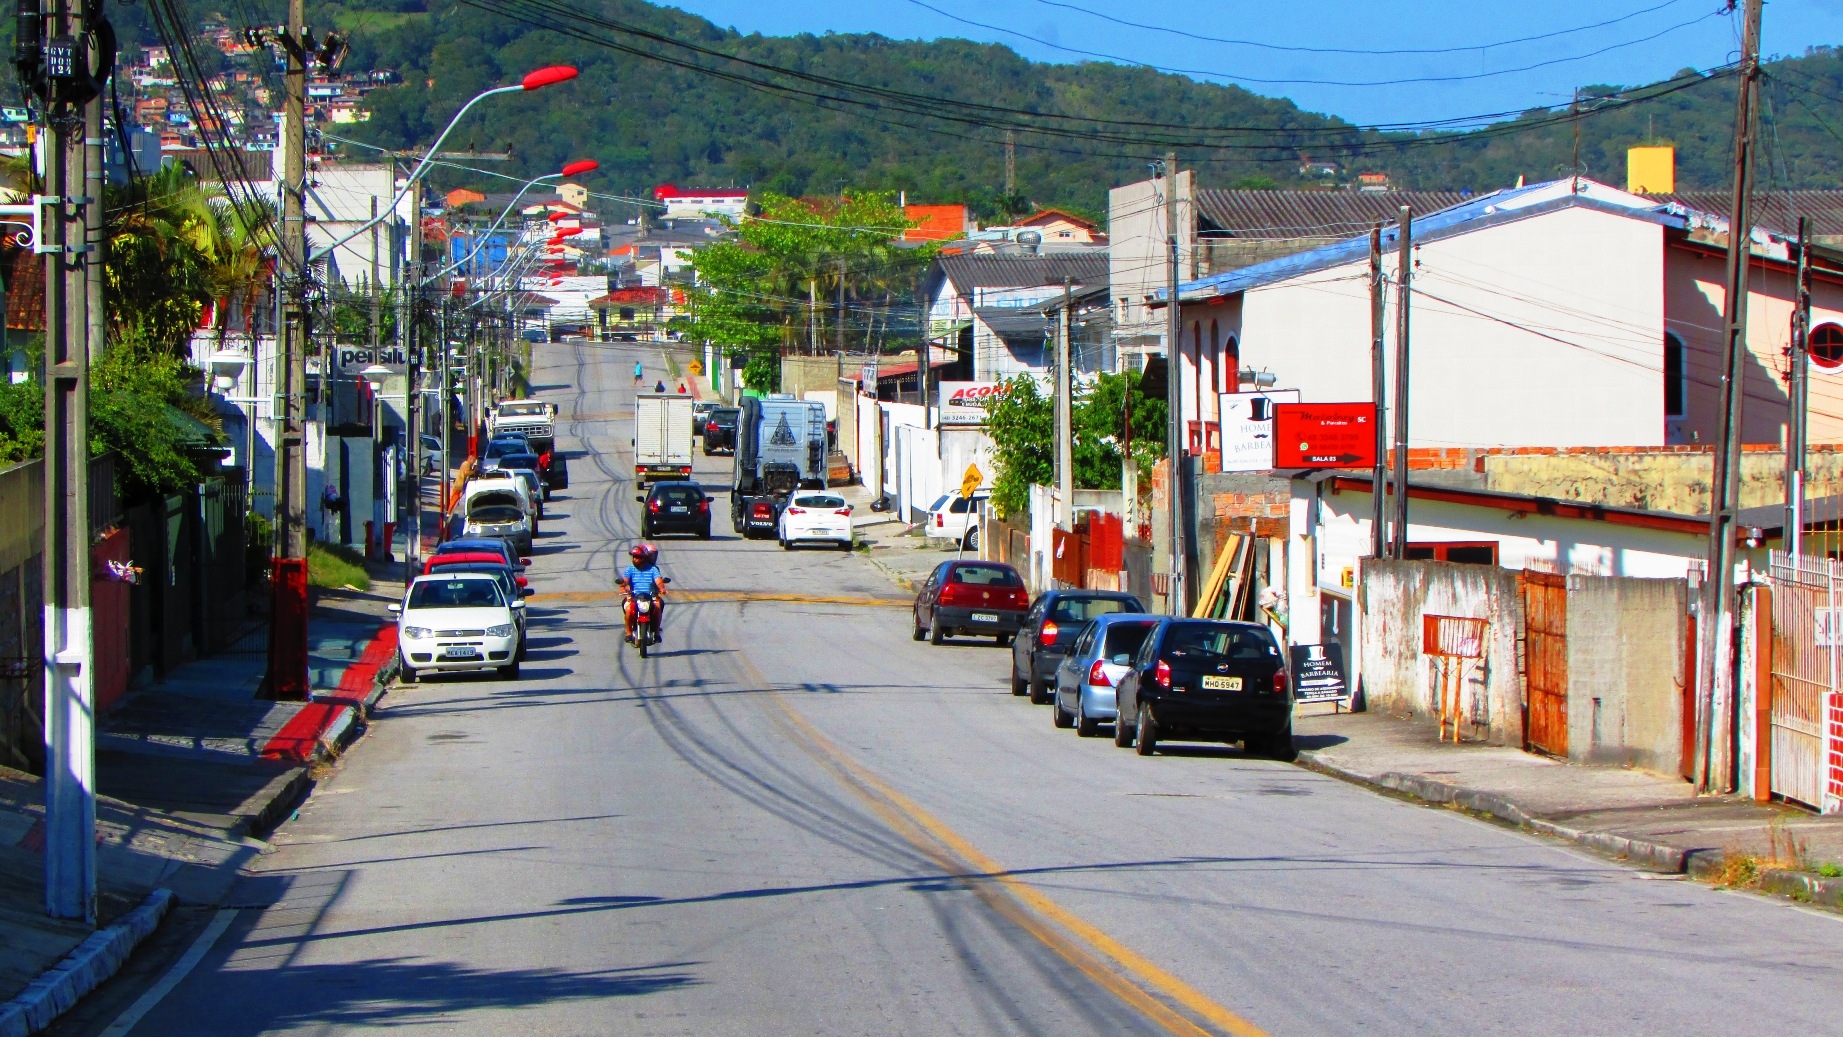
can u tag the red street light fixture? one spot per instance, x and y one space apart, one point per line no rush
534 80
580 165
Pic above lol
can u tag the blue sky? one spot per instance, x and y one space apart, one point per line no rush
1709 38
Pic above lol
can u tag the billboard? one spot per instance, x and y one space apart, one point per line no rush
1247 428
965 403
1324 435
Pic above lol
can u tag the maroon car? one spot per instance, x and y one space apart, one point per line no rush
971 597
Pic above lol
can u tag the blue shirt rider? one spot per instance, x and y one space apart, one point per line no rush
642 577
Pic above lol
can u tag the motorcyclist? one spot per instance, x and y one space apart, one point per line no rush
642 577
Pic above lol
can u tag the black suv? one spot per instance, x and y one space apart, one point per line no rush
720 430
1210 680
675 507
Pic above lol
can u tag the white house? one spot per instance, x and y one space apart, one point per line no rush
1563 314
342 198
987 306
701 203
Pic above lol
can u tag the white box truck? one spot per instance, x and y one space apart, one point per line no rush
662 437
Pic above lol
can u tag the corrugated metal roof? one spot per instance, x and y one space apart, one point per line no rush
1312 214
1019 322
1776 210
973 270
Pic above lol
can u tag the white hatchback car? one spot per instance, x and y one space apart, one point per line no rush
457 621
816 517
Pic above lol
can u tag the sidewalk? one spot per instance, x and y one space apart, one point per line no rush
190 773
906 557
1653 821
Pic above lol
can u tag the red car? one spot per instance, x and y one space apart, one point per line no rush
469 560
971 597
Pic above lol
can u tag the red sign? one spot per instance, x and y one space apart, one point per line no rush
1324 435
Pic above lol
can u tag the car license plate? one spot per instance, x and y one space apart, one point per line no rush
1222 684
679 510
985 617
458 651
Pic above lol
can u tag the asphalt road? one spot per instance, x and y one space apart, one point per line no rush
793 819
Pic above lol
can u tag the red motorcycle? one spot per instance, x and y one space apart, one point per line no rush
643 609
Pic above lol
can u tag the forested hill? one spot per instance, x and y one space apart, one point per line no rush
649 122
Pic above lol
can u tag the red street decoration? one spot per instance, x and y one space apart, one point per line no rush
555 216
544 77
1324 435
581 166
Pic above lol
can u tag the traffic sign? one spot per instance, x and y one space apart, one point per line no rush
971 480
1324 435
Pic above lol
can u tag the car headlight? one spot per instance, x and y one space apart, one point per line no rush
415 633
502 630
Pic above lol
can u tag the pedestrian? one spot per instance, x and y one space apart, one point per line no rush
660 385
639 373
681 388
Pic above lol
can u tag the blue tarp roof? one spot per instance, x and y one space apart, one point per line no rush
1484 211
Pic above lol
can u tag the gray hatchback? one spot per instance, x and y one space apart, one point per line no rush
1101 653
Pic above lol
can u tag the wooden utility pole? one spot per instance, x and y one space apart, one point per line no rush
1378 390
1174 396
1715 676
1065 390
287 676
1404 266
1798 395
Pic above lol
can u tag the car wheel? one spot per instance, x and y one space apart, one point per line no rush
519 655
509 672
1059 716
1145 739
1085 725
1040 693
1004 640
1274 747
704 534
405 673
1122 732
920 631
936 634
1019 686
971 540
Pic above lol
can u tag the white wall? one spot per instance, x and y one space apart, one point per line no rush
1546 331
339 202
1136 253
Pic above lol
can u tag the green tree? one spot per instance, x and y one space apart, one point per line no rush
1022 426
1110 417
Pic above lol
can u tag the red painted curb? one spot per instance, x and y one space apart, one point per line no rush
356 683
299 737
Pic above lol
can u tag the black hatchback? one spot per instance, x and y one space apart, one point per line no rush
675 507
1209 680
720 430
1049 629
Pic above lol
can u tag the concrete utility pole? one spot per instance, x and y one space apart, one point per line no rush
287 676
1010 164
1065 391
1404 266
1798 399
1715 639
408 279
1378 389
839 332
1179 599
812 316
54 61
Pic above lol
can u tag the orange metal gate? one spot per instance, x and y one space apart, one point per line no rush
1805 671
1545 635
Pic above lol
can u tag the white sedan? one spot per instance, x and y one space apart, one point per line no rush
816 518
457 621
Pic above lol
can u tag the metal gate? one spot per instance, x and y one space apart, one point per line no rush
1545 636
1806 637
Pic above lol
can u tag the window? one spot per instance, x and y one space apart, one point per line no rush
1208 642
1124 639
986 576
1070 610
1826 346
454 594
1482 552
1676 376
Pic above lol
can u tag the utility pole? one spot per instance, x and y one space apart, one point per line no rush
1179 598
53 54
410 277
1798 399
812 316
1404 266
1718 595
839 331
287 676
1010 166
1065 447
1378 390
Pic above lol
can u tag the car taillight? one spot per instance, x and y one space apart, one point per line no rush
653 505
1280 684
939 520
796 511
762 509
955 593
1097 675
1020 598
704 505
685 471
1163 674
846 510
1050 630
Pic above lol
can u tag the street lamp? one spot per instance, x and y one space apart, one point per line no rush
536 80
573 169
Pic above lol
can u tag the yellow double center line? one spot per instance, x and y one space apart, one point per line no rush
1131 977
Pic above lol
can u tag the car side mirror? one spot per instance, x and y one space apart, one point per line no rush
394 607
639 498
517 603
525 592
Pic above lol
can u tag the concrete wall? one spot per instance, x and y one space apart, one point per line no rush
22 513
1136 256
803 374
1625 671
1658 480
1396 677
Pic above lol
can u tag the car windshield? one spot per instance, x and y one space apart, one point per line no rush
514 410
679 494
495 513
1076 610
454 594
1123 639
492 547
723 417
1218 642
500 447
820 501
985 576
525 460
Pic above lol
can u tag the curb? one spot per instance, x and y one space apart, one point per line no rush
1643 853
97 958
